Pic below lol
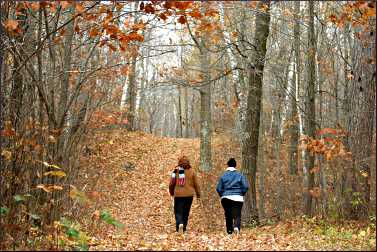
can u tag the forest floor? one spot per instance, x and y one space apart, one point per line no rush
140 200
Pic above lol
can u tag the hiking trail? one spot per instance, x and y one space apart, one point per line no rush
139 199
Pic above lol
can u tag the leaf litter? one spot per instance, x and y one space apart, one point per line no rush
139 200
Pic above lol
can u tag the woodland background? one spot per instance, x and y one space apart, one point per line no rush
94 90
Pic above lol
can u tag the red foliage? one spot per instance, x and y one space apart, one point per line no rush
182 20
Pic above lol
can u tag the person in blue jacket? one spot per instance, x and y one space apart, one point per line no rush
232 187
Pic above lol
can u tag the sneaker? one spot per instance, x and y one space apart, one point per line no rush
180 228
236 231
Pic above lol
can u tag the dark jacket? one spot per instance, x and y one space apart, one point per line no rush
232 183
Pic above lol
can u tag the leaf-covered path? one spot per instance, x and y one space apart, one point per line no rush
139 199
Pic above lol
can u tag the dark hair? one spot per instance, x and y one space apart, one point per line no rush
232 162
184 162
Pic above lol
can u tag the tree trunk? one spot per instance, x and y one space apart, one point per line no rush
185 116
294 129
341 185
361 96
64 84
2 106
205 127
262 169
205 106
131 95
254 101
310 114
179 114
18 85
132 85
320 158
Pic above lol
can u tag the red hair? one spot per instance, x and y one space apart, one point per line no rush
184 162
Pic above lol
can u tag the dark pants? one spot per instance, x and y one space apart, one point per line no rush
232 210
182 207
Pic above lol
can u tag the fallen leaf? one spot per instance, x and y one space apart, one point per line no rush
55 173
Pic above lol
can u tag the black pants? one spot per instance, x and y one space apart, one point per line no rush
182 207
232 210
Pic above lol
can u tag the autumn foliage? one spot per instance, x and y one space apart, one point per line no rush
98 99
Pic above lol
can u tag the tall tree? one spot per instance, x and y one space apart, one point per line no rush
2 106
294 129
131 94
64 82
205 96
205 112
310 113
254 101
132 80
360 115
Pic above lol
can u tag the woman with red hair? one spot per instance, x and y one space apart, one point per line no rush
183 185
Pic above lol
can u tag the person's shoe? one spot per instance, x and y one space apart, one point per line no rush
229 236
236 231
180 228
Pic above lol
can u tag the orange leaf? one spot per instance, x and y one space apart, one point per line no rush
333 18
122 48
182 19
328 155
79 8
371 12
102 43
53 7
35 6
124 70
149 9
64 4
49 188
195 14
11 24
77 28
57 40
211 13
90 17
112 29
62 32
253 4
119 6
183 5
264 7
163 16
168 5
102 9
216 39
136 36
138 26
113 48
123 38
93 32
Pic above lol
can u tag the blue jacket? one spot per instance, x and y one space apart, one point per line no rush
232 183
